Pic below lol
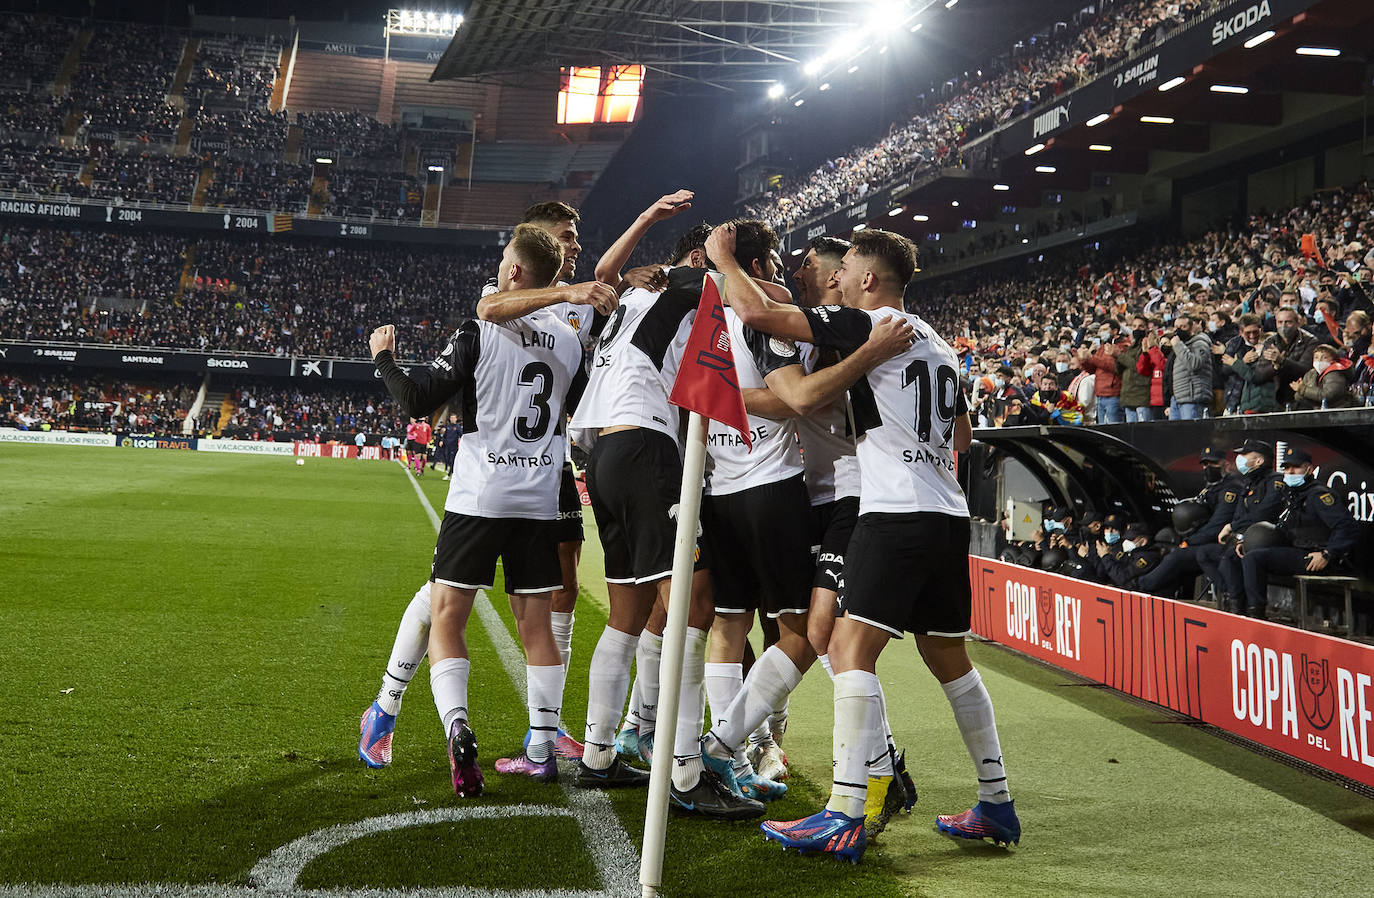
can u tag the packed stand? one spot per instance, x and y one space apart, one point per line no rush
68 399
51 171
143 177
124 78
266 409
254 129
31 50
1034 72
359 138
235 71
51 277
1230 323
33 113
365 194
269 186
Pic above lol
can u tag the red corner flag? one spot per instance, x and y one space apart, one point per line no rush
706 382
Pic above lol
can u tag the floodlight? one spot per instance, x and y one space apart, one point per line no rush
775 91
1318 51
1258 39
1229 89
1098 119
1172 83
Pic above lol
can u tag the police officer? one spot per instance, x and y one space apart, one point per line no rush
1181 565
1138 556
1318 527
1059 530
1093 555
1257 499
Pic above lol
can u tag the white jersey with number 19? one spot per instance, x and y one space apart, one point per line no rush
904 412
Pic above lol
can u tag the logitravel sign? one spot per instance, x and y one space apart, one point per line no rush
1305 694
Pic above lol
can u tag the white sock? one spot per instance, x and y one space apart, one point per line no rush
544 697
973 712
770 681
723 682
777 721
632 718
608 679
883 751
858 711
562 635
825 665
648 660
412 641
687 735
448 680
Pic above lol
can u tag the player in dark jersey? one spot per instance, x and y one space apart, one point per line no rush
907 563
515 378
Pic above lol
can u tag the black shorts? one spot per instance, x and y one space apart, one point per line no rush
569 529
759 541
909 573
832 524
416 447
635 478
466 552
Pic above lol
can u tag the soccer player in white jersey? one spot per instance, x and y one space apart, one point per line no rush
634 477
412 635
907 564
757 523
515 378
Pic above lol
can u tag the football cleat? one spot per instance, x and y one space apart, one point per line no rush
376 727
462 760
827 831
566 747
908 785
539 771
646 747
760 788
884 800
769 760
724 769
627 741
985 822
617 776
710 798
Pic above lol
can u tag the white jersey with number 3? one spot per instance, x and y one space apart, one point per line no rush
903 411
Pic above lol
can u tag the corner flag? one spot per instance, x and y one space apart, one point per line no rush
706 382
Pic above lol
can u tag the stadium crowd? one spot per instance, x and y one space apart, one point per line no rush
263 409
1232 322
233 70
1035 71
65 399
124 79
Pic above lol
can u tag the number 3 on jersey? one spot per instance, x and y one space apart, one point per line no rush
531 429
941 395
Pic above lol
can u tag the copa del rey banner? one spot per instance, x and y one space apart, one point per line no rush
1301 693
706 382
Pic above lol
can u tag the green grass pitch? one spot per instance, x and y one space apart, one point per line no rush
189 640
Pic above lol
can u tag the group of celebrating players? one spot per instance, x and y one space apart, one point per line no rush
843 525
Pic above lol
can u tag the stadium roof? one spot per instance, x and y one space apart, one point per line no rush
695 46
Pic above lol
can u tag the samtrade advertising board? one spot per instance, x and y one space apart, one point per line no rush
1305 694
1224 29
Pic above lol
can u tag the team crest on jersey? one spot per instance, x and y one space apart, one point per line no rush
574 319
783 348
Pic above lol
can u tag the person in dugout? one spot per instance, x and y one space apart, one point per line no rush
1091 553
1136 557
1198 523
1313 533
1258 499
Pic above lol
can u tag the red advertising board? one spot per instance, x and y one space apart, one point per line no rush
336 450
1301 693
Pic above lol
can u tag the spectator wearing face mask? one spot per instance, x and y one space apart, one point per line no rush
1355 335
1191 369
1327 385
1295 347
1065 368
1152 365
1055 405
1106 378
1256 371
1327 321
1250 336
1135 384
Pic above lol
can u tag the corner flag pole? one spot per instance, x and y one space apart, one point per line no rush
670 671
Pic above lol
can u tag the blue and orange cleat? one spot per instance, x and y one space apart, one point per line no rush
462 760
827 831
376 727
984 822
760 788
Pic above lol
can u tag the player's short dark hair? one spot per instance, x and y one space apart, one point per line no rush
694 238
538 252
830 247
754 240
896 252
550 213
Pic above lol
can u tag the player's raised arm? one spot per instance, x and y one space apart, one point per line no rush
613 260
749 297
423 390
807 393
509 305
